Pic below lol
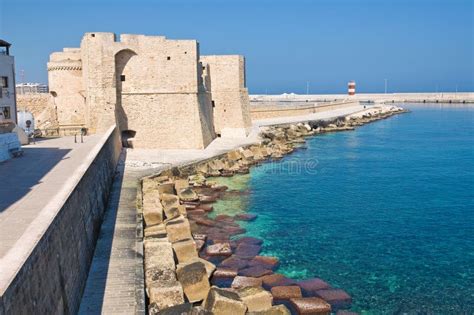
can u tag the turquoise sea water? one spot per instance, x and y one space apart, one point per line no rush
385 212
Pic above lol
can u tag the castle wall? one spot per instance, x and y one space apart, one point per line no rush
150 85
40 105
230 96
160 89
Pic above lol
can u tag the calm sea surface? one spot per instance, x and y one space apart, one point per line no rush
385 212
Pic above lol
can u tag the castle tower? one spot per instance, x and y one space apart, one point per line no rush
229 94
65 83
150 86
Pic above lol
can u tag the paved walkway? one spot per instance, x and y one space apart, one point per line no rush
29 183
115 281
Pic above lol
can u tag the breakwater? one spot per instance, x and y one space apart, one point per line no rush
187 251
47 274
271 110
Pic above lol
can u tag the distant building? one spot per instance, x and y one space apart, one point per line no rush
31 88
7 83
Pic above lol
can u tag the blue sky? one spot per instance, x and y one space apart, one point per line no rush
418 45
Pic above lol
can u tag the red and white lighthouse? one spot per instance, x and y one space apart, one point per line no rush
351 88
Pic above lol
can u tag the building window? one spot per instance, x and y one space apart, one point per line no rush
213 104
5 112
122 77
168 58
4 82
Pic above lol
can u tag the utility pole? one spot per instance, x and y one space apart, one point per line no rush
22 76
386 82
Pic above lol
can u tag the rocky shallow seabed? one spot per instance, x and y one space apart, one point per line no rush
195 264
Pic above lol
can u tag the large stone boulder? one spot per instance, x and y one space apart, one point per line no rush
162 287
336 297
155 231
170 205
210 267
219 249
310 305
245 250
185 250
178 229
276 279
274 310
225 272
166 188
181 184
224 302
188 195
197 180
285 293
185 308
243 282
267 262
309 287
216 165
182 309
165 295
158 254
149 184
234 262
152 208
255 298
256 271
234 155
193 278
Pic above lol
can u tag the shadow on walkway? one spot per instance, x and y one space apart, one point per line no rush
19 175
110 286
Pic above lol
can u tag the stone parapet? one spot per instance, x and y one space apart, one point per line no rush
48 272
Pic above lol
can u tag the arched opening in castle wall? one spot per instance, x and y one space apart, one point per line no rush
125 76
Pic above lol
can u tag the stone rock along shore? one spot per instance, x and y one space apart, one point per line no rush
197 265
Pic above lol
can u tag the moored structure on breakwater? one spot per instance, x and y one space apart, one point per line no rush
159 92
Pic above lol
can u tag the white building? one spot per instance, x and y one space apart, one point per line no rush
7 83
31 88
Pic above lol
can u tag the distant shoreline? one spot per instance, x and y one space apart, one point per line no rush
449 98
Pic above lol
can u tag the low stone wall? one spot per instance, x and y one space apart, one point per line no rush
268 110
48 277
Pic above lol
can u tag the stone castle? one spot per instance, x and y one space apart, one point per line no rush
159 92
